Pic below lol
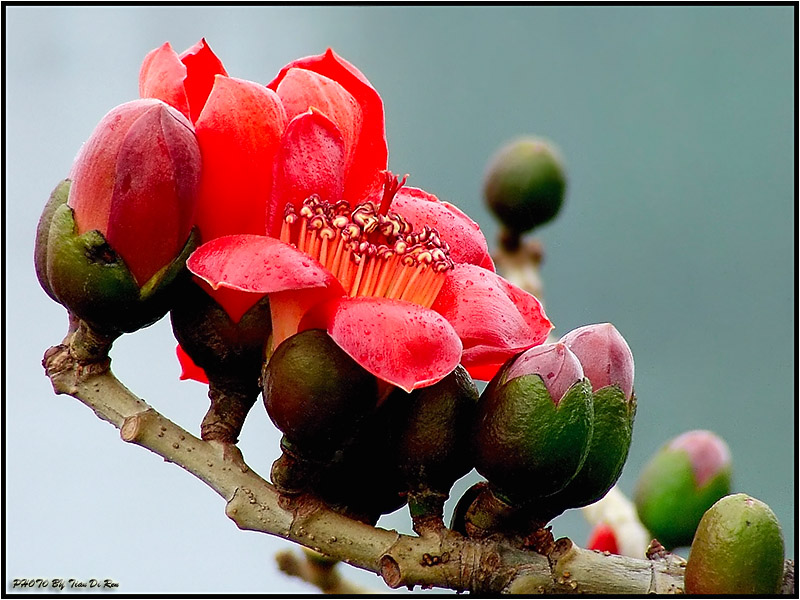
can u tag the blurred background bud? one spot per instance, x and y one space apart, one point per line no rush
525 183
680 482
603 539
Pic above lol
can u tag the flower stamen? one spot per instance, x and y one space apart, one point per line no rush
370 252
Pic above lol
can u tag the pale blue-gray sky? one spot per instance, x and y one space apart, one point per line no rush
677 126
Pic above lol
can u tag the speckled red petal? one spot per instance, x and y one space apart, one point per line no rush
254 263
493 318
467 243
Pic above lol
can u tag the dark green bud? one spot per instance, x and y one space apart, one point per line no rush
432 428
316 394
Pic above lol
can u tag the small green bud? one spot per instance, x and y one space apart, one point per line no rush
524 184
316 394
679 483
738 549
534 424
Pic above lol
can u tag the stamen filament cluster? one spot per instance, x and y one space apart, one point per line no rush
370 250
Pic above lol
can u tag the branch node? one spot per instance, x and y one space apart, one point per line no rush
131 428
390 571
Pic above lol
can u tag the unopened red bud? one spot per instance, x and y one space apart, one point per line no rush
135 181
604 354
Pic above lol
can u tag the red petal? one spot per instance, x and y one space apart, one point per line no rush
467 244
201 67
603 539
255 263
310 161
370 156
234 302
155 191
399 342
189 370
494 319
302 89
239 134
93 172
162 76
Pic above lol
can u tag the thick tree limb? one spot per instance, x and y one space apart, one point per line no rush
443 559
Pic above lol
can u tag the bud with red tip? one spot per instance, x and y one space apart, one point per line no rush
607 362
681 481
534 423
112 241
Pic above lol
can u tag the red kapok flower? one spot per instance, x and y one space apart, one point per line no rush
387 292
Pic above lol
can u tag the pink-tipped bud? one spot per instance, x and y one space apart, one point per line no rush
708 453
135 181
558 367
604 355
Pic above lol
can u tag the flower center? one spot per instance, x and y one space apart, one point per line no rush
370 250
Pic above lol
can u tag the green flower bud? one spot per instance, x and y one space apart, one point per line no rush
681 481
87 276
608 363
316 394
524 184
534 424
738 549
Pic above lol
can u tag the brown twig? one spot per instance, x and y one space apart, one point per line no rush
319 571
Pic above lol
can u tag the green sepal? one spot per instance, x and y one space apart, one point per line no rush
58 196
527 446
90 279
668 500
608 451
